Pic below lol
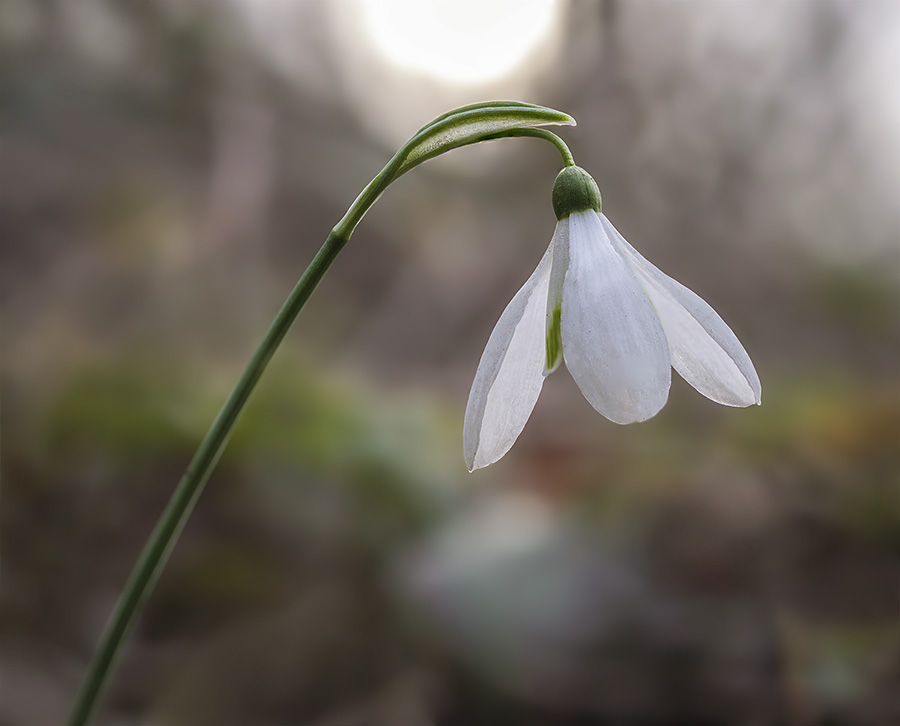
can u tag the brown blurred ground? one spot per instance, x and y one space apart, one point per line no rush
169 171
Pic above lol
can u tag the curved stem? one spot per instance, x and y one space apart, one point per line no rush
161 541
567 158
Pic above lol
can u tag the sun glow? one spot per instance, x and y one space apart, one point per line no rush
466 42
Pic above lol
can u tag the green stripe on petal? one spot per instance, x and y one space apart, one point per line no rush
553 341
553 346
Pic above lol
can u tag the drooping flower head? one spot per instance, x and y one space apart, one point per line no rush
619 324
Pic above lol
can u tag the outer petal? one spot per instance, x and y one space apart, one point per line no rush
704 350
510 375
613 342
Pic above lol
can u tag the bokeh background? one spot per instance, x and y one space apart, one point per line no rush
169 169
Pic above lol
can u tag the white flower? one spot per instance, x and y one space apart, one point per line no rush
619 323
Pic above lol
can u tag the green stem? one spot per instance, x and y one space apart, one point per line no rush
158 547
567 158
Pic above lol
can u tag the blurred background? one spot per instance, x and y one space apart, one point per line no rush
170 168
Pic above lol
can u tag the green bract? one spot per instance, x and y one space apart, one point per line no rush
470 124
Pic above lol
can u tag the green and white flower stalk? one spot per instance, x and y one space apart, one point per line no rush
618 322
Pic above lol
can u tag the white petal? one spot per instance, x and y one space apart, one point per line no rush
704 350
613 342
510 375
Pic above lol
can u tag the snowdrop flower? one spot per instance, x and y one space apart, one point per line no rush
619 323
